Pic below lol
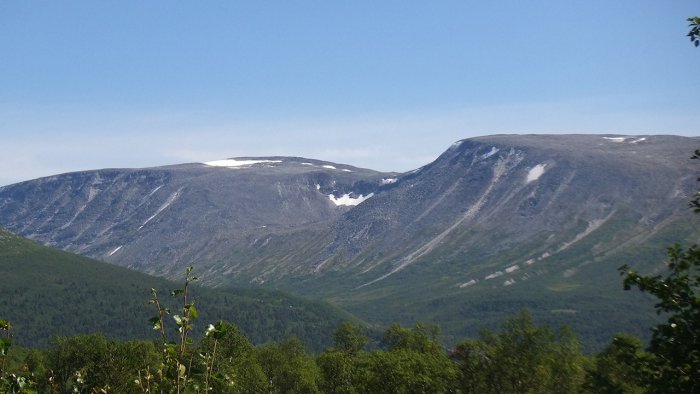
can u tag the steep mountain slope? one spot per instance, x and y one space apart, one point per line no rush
159 220
540 194
504 222
46 292
494 224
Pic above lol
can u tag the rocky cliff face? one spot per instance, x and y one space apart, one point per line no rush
509 221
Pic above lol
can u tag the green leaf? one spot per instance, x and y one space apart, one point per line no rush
176 292
5 345
155 322
193 312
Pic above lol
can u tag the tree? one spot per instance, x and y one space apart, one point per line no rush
414 363
338 365
675 344
621 368
522 358
230 363
350 338
289 369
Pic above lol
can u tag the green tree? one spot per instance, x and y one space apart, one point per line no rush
230 363
521 358
675 344
422 338
338 364
92 362
567 363
350 338
414 363
289 369
73 359
474 358
338 372
621 368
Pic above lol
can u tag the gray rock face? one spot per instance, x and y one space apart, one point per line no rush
160 219
518 220
488 195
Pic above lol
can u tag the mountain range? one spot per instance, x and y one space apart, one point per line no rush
494 224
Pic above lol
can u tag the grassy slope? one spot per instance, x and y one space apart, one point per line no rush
46 292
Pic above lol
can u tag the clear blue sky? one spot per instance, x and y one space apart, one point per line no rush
381 84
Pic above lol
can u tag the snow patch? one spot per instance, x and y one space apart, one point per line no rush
535 173
306 164
494 275
345 199
615 139
509 282
388 181
592 226
318 187
490 153
115 250
625 139
154 190
346 170
530 262
93 193
512 268
232 163
329 167
467 284
166 204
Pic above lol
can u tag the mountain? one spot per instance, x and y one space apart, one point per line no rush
159 220
47 292
494 224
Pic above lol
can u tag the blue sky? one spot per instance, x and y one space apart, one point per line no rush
387 85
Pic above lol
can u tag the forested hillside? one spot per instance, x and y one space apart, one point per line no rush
47 292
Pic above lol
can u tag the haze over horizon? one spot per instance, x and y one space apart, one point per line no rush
385 86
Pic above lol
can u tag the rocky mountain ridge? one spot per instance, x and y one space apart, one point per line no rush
541 221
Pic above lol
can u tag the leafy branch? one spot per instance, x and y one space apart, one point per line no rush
173 370
694 32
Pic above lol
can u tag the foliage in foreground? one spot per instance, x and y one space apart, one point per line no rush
410 360
522 358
